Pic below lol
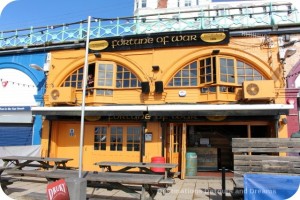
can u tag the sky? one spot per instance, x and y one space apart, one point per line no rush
20 14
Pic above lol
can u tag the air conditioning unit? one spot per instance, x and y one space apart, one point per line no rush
62 95
262 89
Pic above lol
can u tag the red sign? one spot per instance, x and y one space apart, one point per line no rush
58 190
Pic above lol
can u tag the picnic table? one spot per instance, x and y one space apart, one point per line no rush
145 167
19 162
109 180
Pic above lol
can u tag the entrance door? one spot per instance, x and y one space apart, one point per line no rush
176 146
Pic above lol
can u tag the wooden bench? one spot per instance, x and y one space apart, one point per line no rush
263 155
150 183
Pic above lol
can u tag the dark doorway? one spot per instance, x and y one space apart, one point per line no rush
212 143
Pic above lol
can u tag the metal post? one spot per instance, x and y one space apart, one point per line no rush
223 183
85 72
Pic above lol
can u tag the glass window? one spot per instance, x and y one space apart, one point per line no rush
133 138
187 3
246 72
144 3
74 80
186 77
108 76
116 138
100 135
105 74
206 70
227 70
126 79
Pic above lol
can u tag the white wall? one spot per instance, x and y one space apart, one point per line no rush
16 88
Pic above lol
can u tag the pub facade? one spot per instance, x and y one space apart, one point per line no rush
164 94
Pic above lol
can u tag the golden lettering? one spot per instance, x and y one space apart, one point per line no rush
183 38
163 40
127 42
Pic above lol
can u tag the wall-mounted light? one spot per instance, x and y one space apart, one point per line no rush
289 52
285 53
155 68
290 43
97 55
36 67
215 52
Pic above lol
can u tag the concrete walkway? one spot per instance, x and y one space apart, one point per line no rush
29 188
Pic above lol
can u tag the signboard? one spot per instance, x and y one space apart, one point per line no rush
161 40
15 108
58 190
269 186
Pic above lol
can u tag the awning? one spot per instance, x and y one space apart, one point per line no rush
169 110
219 109
122 110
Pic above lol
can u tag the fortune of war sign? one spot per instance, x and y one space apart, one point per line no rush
161 40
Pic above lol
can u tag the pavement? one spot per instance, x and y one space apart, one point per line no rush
200 188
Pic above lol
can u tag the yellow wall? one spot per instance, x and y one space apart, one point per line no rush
170 61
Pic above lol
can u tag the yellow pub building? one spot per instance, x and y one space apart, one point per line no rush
164 95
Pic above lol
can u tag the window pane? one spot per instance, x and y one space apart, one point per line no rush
223 78
100 134
193 66
246 72
230 70
126 79
126 75
109 75
222 62
231 79
230 62
194 82
116 138
193 73
223 70
133 138
126 83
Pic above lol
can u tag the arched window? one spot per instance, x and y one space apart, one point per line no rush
210 72
107 75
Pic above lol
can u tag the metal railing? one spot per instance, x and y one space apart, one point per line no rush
191 20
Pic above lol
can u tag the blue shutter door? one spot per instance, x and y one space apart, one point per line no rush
15 135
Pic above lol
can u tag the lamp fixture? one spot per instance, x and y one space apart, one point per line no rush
155 68
290 43
285 53
97 55
289 52
215 52
36 67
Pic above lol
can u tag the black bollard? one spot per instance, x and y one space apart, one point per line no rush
223 183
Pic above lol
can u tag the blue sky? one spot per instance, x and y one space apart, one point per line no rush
26 13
